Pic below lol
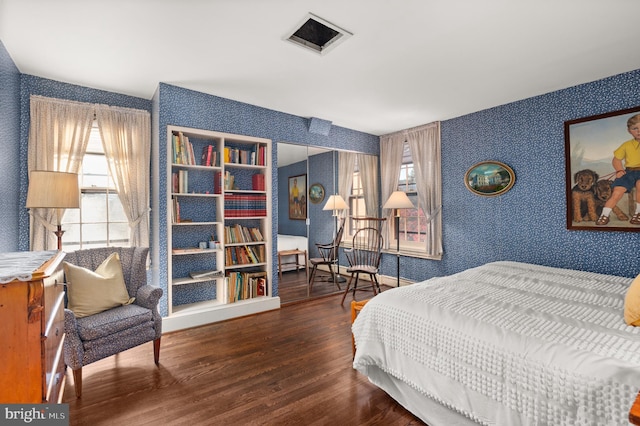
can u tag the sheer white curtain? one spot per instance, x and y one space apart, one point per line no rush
390 162
368 166
424 144
58 136
126 137
346 167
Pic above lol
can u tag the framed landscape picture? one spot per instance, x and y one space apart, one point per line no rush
489 178
590 143
298 197
316 193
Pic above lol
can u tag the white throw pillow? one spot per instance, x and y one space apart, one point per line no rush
92 292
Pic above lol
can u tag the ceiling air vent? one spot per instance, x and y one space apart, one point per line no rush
318 35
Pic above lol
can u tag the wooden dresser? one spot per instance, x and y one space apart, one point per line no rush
32 324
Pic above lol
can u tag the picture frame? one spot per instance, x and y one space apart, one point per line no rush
590 143
489 178
316 193
297 197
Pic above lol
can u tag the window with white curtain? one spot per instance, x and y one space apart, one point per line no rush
100 221
355 202
410 161
412 223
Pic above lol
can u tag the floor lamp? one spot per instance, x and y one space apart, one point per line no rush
336 203
398 200
53 190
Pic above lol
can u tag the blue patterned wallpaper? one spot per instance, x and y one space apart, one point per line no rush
31 85
525 224
9 167
188 108
528 223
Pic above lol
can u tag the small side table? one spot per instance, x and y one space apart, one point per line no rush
295 253
356 307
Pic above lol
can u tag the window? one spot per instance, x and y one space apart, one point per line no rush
356 203
100 221
412 223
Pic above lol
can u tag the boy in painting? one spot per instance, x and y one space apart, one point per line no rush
627 173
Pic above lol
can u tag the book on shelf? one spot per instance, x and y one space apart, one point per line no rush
241 234
209 156
180 182
243 286
182 149
184 250
257 181
254 156
245 205
205 274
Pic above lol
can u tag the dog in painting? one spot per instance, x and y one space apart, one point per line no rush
583 196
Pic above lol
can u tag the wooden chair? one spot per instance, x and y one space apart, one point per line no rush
364 258
328 256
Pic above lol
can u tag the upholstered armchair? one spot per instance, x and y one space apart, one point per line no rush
94 337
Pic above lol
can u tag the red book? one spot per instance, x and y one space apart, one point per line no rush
258 182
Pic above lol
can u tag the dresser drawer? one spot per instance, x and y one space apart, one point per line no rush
53 345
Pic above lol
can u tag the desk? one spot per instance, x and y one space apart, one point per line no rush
295 253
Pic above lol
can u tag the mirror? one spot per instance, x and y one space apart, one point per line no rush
307 176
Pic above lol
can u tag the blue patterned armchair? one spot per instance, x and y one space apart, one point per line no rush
91 338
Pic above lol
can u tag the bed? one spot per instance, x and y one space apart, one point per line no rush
292 242
506 343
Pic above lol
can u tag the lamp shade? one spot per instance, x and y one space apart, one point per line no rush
56 190
335 202
398 200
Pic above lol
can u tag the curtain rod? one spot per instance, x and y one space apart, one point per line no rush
413 129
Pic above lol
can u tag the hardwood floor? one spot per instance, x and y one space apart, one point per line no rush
292 366
293 287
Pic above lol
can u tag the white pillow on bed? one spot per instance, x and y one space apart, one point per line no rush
632 303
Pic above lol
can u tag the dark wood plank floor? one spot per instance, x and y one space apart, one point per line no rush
293 287
291 366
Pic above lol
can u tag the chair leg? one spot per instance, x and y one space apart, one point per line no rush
336 279
313 274
156 350
375 279
355 285
77 381
346 290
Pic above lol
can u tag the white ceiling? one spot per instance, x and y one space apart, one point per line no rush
409 62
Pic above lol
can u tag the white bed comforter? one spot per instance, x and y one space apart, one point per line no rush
509 343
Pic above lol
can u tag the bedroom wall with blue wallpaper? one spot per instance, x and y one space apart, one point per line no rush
10 135
31 85
528 223
188 108
322 223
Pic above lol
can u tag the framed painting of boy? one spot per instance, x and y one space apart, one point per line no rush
602 158
297 197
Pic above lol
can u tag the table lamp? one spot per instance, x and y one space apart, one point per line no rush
53 190
398 200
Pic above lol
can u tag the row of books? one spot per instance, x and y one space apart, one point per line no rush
209 156
182 150
244 255
241 234
245 205
180 182
255 156
242 286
